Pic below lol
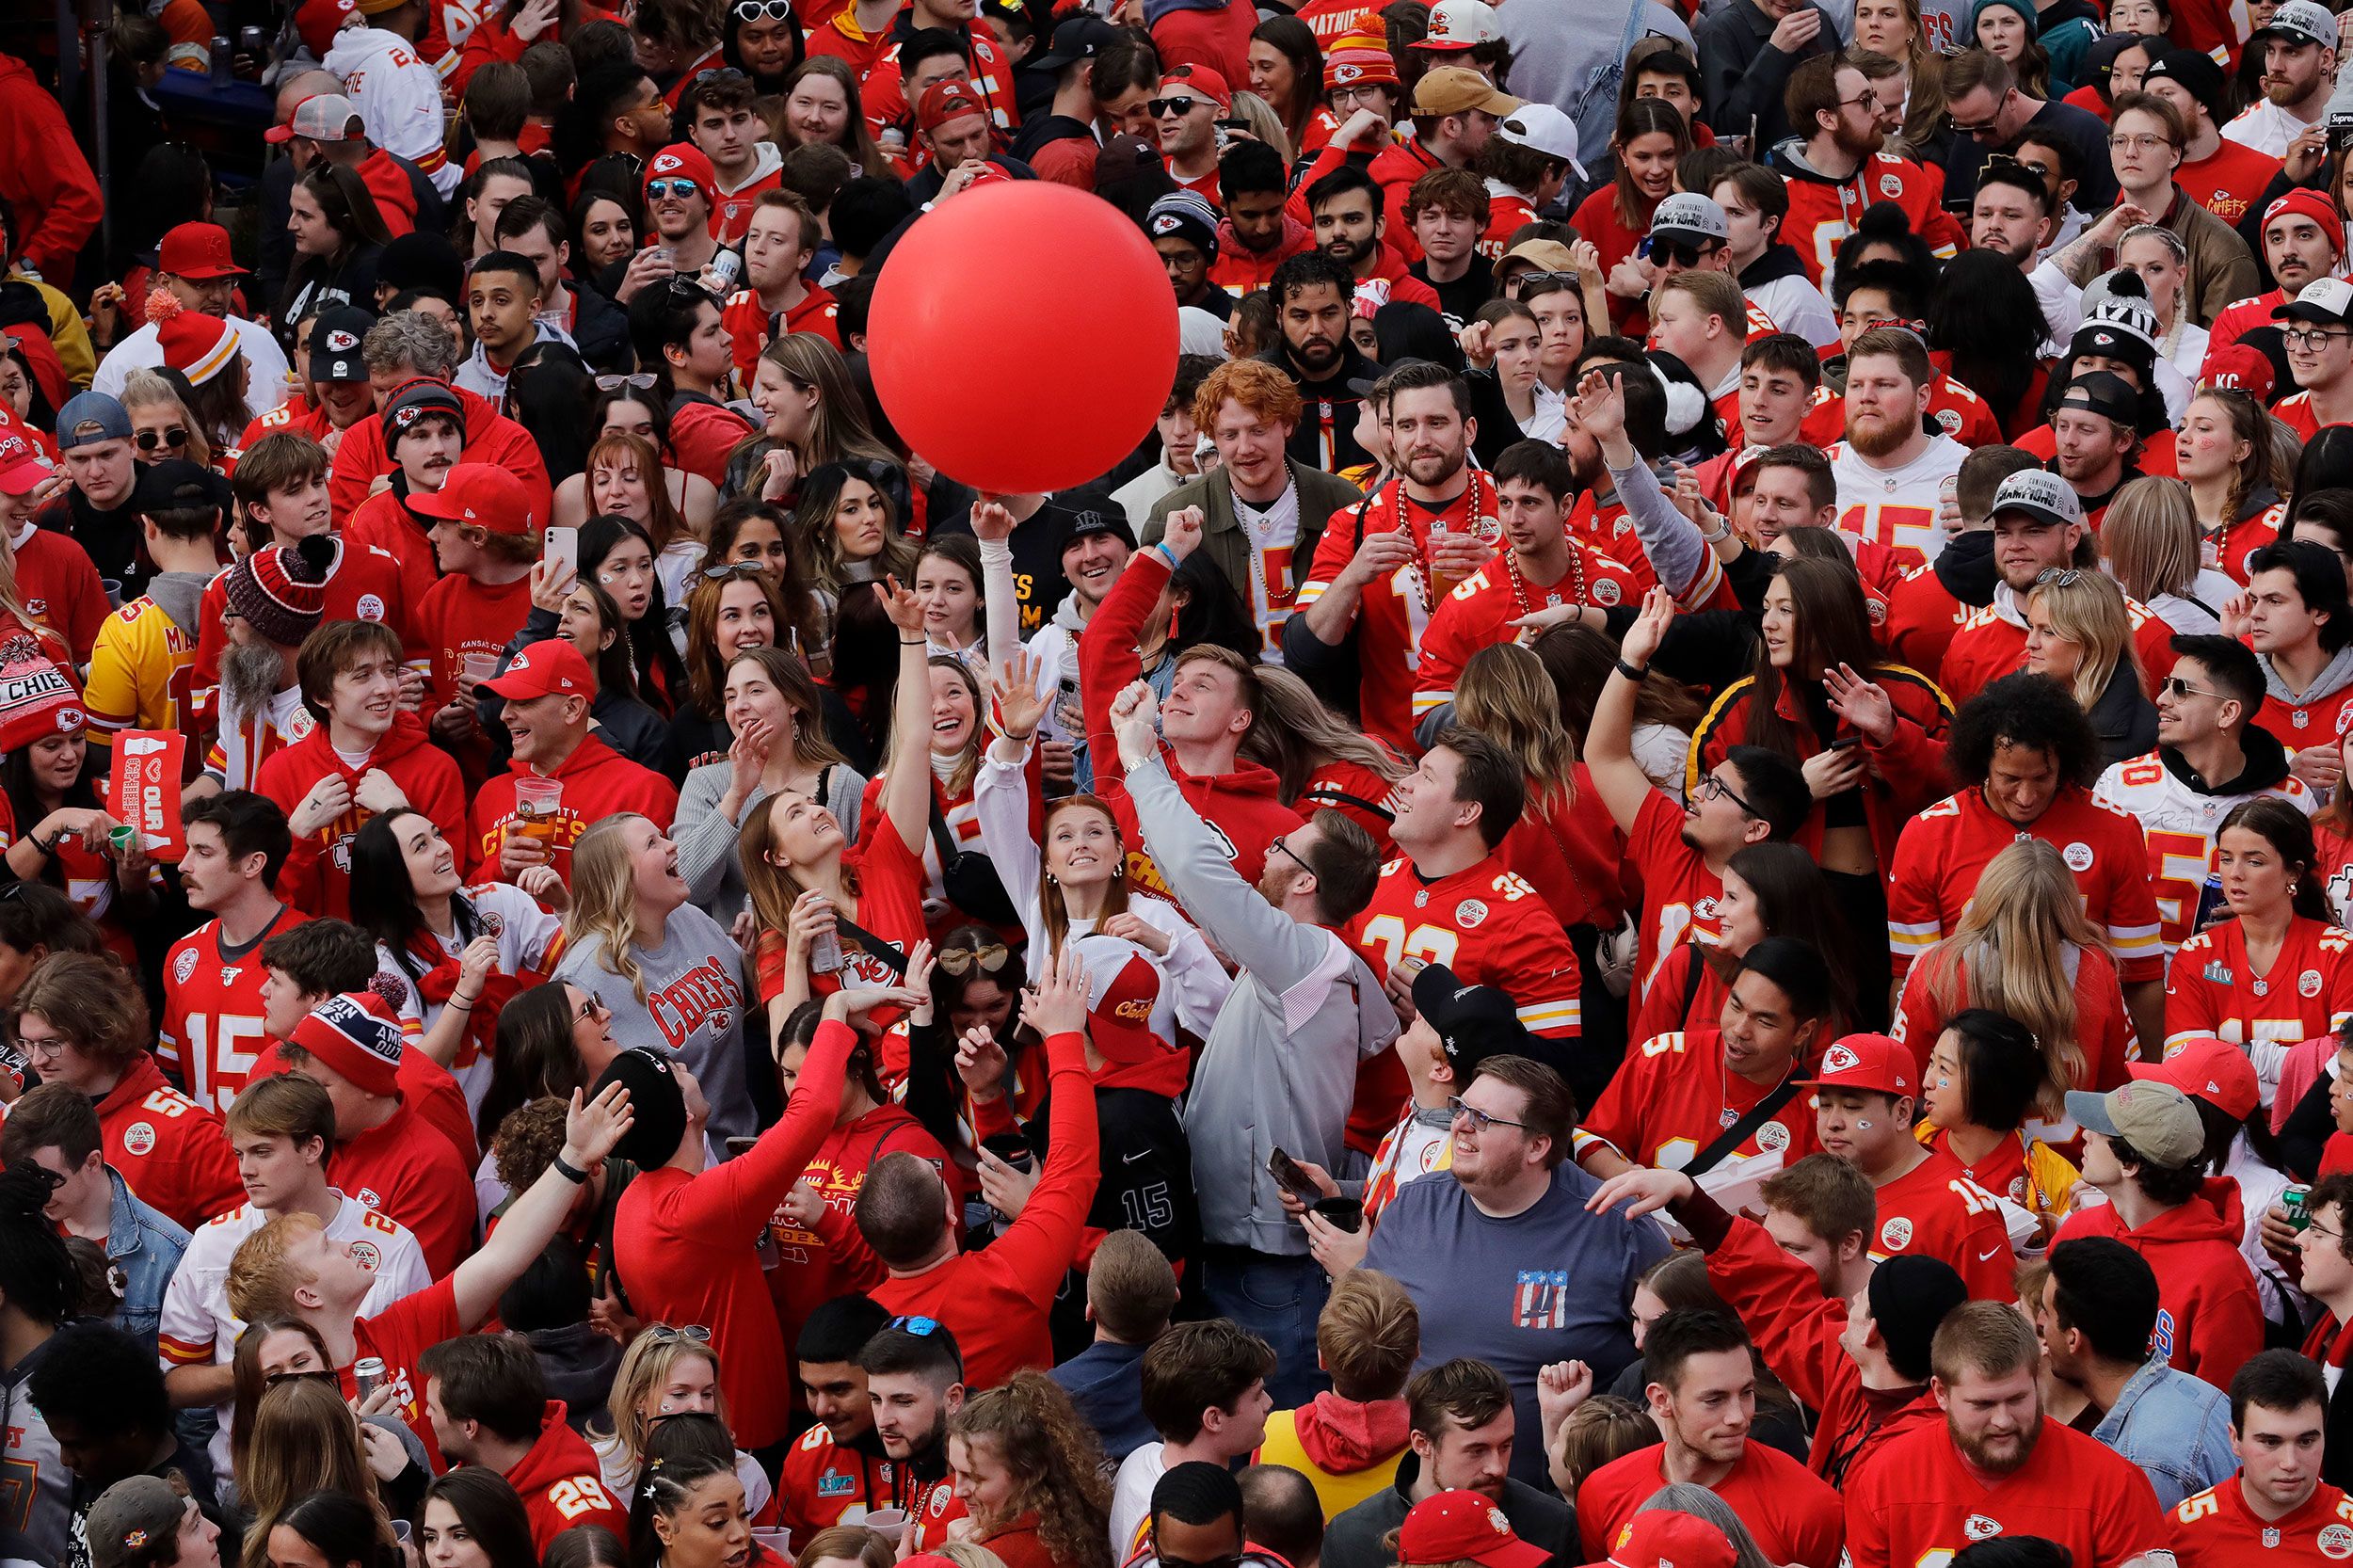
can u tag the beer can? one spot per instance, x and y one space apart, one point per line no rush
726 268
2296 1202
367 1374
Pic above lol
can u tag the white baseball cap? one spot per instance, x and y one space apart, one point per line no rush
1544 128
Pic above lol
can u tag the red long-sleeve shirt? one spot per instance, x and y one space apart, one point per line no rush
562 1484
2209 1319
43 174
682 1243
995 1300
491 437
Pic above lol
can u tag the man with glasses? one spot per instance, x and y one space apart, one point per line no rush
2300 46
2303 238
2145 143
281 1129
1989 112
2210 756
1836 165
1509 1269
680 189
2319 338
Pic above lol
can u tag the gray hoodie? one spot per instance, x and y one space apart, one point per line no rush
2335 676
1279 1067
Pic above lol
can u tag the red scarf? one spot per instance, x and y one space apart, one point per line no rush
2330 1343
440 983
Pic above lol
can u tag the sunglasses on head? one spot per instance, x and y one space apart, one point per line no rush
635 381
752 10
729 572
1180 105
175 437
990 957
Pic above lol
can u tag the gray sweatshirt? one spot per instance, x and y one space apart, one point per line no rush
695 1000
1279 1066
706 840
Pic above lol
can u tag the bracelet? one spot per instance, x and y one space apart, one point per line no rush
561 1167
915 642
1167 554
463 1005
1631 673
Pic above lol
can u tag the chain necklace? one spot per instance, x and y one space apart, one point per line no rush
1480 510
1519 583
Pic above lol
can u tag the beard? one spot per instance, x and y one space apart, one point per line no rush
1353 254
1979 1453
1860 146
252 674
1878 437
2283 92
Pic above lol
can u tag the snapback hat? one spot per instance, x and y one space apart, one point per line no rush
2156 1118
2039 493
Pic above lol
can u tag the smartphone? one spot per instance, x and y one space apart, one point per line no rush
1283 1168
562 552
1845 741
738 1147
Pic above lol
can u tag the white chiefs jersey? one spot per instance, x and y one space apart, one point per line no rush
1896 506
2179 824
197 1329
530 942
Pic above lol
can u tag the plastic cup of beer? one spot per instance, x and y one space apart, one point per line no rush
537 803
888 1523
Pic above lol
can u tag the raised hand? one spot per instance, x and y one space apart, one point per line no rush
1649 629
591 1128
1020 706
1135 724
1181 531
1862 702
905 610
1057 1003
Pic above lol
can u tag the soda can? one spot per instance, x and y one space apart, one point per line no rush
2296 1202
367 1375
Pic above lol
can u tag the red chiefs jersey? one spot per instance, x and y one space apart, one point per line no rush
2218 1529
383 522
1916 1504
1935 1210
1394 612
1673 1097
1958 412
821 1484
295 415
59 586
1486 925
599 782
1792 1512
407 1169
1922 617
890 880
1334 19
1508 212
731 210
210 1034
171 1151
562 1484
2321 721
1945 847
1478 613
2234 180
2242 316
2306 993
1822 212
931 1510
1989 645
2296 412
396 1336
1679 892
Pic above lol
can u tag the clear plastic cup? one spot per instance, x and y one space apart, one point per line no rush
888 1523
537 803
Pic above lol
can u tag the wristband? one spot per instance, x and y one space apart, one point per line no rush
1167 554
915 642
562 1168
1631 673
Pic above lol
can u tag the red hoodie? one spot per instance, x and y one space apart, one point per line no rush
599 782
317 878
1347 1449
396 198
491 437
1238 269
45 177
562 1484
172 1152
1240 804
2209 1319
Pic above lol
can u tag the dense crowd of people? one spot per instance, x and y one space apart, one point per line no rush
714 996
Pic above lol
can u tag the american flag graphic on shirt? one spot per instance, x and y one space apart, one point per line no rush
1541 1298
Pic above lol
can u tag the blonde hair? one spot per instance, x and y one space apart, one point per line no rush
2089 610
1052 912
772 885
1295 734
261 1282
646 1366
2149 538
2026 905
147 389
604 900
837 428
305 1439
1505 695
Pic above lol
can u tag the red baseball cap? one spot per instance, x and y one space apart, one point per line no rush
543 668
1208 82
1664 1539
2211 1070
946 100
482 494
23 468
1465 1526
199 251
2243 367
1867 1061
1123 988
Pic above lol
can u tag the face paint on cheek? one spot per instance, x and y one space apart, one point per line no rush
1862 1126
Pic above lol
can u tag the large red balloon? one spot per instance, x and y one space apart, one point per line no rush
1023 337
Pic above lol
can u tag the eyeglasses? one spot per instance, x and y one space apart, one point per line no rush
752 10
1179 105
922 1328
694 1333
642 380
1290 854
2294 337
1480 1120
174 438
2056 577
1869 100
676 184
990 957
2313 1227
2136 144
2176 687
1713 788
734 571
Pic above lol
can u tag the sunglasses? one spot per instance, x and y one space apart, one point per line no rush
921 1327
1181 104
175 437
752 10
591 1010
694 1333
990 958
732 571
677 186
1672 252
2056 577
2177 688
637 381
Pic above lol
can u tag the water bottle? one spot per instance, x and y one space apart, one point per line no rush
2211 906
824 953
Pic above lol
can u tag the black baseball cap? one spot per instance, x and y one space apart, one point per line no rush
2102 392
1473 1022
1079 38
335 340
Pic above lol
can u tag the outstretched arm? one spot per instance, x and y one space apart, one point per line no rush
1609 736
591 1128
907 793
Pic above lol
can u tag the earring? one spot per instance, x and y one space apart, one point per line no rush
1052 880
1118 871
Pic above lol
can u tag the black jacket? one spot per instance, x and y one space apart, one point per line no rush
1359 1537
1742 74
600 327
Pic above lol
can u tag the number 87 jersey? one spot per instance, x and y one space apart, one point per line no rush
1485 924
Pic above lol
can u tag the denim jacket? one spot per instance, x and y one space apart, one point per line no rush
2176 1427
142 1248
